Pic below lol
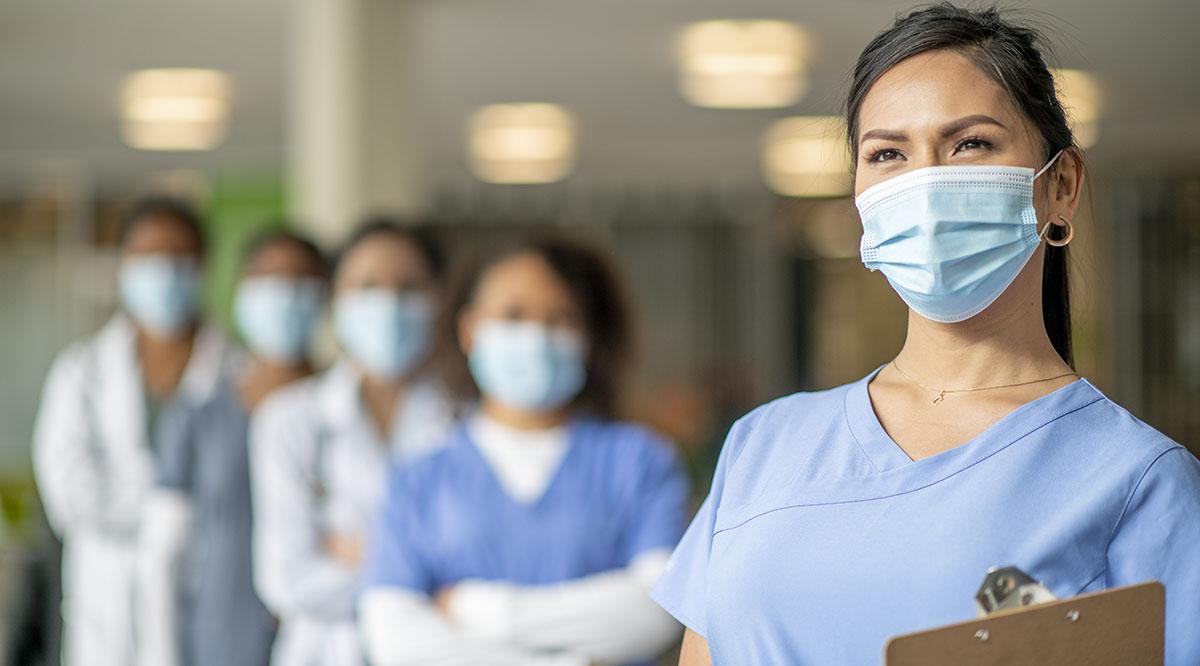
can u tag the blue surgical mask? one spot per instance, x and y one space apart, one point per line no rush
277 315
160 291
950 239
527 365
388 333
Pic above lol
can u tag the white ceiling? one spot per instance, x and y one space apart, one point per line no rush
61 62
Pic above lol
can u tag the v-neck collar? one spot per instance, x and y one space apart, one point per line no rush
468 442
893 473
885 455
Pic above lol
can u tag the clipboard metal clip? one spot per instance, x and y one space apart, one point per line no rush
1008 588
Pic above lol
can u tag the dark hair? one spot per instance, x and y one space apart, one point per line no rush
1011 55
595 287
279 236
420 236
162 207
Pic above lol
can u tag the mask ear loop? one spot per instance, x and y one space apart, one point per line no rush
1048 164
1045 232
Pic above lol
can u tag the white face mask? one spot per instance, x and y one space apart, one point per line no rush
160 291
388 333
277 315
950 239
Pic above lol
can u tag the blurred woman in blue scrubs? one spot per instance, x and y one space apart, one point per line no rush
534 536
321 448
840 518
92 451
197 601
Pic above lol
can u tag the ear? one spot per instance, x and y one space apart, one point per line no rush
1067 185
465 323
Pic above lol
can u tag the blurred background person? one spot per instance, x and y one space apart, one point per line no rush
535 535
197 604
320 449
93 453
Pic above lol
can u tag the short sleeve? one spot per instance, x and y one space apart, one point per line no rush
660 501
395 556
1158 538
174 446
682 590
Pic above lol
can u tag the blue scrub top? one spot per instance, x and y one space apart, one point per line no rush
618 492
821 539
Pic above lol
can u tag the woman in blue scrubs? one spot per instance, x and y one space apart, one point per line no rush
840 518
535 535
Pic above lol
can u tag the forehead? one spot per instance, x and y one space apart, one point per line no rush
383 250
156 231
283 256
931 88
522 275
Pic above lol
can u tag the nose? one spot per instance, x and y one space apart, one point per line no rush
925 156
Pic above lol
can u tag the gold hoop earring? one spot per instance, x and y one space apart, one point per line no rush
1065 240
1061 242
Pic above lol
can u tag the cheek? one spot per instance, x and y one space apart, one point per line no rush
860 185
466 332
865 177
1041 201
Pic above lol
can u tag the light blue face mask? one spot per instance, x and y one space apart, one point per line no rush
526 365
160 291
388 333
950 239
276 315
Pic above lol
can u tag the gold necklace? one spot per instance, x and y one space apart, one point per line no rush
941 393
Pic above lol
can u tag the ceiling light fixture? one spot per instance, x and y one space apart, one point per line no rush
1079 93
175 109
744 64
521 143
807 156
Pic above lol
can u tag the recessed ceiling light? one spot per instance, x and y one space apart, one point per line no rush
175 109
1079 93
807 156
753 64
521 143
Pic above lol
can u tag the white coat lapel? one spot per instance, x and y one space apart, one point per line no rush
118 400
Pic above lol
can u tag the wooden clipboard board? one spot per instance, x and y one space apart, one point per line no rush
1118 627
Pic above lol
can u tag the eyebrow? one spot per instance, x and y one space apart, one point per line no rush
949 129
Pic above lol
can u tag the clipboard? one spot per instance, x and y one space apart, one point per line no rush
1118 627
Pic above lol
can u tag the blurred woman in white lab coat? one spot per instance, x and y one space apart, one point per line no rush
92 451
321 449
197 604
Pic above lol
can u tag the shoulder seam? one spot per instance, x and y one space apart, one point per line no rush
751 419
1129 500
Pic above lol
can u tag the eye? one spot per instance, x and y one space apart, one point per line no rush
884 155
513 312
972 143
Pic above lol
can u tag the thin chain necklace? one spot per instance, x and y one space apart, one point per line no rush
941 393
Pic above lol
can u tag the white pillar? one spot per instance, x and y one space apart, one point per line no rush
323 146
349 148
394 154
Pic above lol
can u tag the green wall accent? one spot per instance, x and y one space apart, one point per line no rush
241 208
